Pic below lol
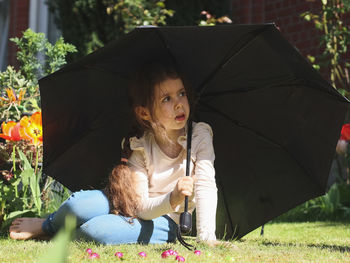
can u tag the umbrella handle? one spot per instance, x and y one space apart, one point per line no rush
186 217
183 242
185 222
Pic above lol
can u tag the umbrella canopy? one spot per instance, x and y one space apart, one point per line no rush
275 120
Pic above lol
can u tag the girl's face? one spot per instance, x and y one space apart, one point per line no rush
171 105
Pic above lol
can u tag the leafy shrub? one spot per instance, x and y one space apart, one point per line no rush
23 191
335 41
332 206
98 22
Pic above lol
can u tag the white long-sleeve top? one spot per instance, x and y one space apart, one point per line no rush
156 175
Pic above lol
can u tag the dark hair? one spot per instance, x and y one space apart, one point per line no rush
120 189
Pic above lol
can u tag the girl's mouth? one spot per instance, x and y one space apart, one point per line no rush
181 117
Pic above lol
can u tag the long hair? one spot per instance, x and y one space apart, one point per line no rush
120 189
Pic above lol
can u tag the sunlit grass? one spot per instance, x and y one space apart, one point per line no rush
282 242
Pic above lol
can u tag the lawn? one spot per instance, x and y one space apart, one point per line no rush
282 242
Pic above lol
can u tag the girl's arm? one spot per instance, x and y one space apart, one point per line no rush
205 185
150 207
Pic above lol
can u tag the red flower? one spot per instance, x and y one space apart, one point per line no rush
345 132
10 131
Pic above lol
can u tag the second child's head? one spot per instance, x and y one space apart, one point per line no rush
160 100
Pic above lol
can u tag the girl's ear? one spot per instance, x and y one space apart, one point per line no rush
143 113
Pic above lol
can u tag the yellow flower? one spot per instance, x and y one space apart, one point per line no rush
31 129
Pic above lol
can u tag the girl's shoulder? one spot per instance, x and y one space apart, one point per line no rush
201 128
202 142
141 151
140 143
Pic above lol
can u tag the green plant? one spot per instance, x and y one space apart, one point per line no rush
331 206
31 45
59 252
22 188
19 90
135 13
188 13
97 22
13 87
211 20
21 185
335 41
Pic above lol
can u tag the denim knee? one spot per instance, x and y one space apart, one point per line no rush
84 205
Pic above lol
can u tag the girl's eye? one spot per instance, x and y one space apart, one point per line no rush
166 99
183 93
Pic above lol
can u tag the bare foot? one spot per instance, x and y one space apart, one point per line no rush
27 228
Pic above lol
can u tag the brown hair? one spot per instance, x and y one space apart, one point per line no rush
120 189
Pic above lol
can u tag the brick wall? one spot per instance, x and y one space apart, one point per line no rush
286 15
19 17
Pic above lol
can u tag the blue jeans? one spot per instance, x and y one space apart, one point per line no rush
94 223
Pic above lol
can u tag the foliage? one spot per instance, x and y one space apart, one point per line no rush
20 189
138 13
31 45
335 205
59 252
23 190
19 90
211 20
335 41
97 22
188 13
18 94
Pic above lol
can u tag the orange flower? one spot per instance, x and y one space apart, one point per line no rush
10 131
31 129
12 96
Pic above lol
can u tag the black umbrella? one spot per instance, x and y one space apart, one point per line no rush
275 120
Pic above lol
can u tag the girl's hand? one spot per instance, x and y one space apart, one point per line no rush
184 187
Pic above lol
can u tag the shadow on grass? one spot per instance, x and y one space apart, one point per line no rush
334 248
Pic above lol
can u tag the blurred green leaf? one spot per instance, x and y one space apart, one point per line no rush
26 175
59 252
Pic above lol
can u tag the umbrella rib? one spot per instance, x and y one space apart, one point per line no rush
226 204
241 125
160 35
245 90
227 60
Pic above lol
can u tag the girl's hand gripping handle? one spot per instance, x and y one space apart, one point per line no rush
184 187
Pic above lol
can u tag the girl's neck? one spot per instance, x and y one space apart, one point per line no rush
169 144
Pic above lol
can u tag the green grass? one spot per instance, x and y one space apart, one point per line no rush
282 242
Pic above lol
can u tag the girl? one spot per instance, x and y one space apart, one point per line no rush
150 183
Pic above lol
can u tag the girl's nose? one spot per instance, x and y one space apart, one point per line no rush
178 104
